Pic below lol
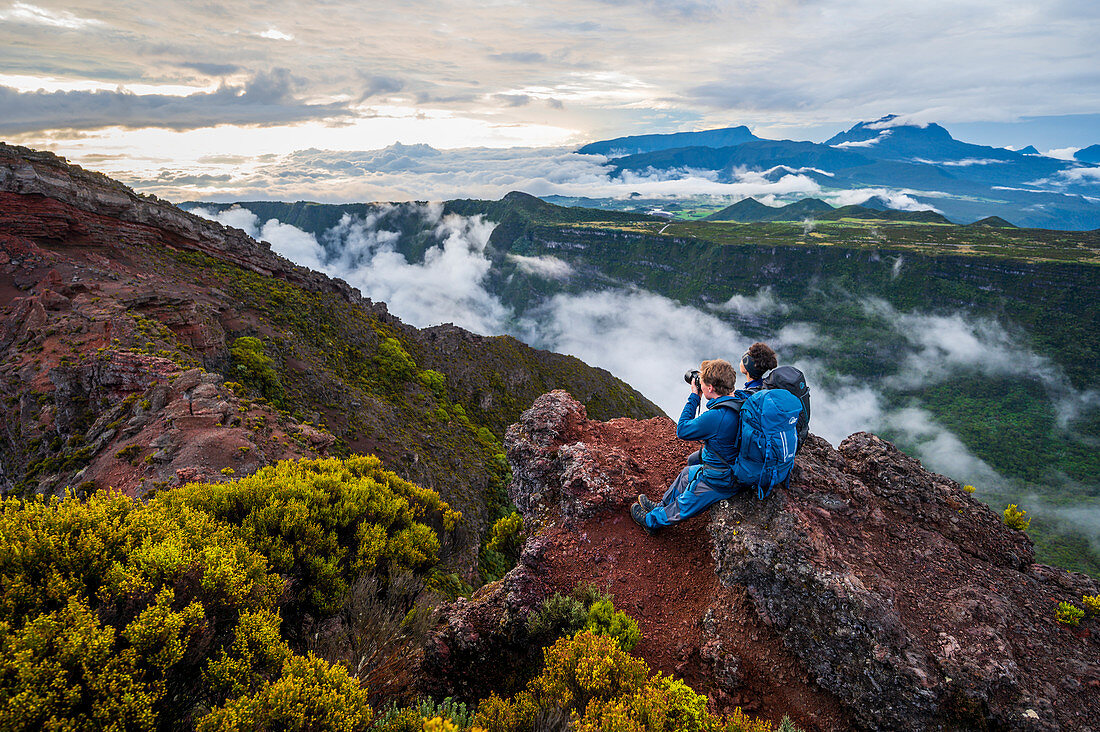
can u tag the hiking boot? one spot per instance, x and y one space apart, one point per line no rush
644 502
638 514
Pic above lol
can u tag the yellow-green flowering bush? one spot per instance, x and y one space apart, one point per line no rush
311 695
111 608
602 687
324 523
119 615
1015 518
1068 614
603 618
507 536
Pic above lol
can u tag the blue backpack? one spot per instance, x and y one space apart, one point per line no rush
769 438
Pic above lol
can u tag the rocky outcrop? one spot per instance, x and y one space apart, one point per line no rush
909 599
871 594
43 196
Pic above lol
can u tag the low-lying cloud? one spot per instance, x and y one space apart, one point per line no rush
900 200
763 303
447 286
649 340
420 172
544 266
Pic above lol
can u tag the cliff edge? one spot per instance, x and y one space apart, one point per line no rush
872 594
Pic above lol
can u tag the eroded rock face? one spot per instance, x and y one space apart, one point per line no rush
483 644
554 473
908 598
896 597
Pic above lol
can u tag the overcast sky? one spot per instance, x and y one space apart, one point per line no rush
200 88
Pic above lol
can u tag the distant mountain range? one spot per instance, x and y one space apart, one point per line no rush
962 181
749 210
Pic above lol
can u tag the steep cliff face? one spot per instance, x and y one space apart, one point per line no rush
872 594
122 364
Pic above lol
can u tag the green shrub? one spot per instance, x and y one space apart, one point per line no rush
395 365
588 609
1014 518
604 619
129 454
310 695
255 368
1068 614
325 523
398 719
589 594
591 679
435 382
559 616
1091 603
508 537
501 547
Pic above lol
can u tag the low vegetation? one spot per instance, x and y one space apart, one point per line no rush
1068 614
1014 518
588 678
174 614
119 615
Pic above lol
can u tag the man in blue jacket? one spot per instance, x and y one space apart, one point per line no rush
708 476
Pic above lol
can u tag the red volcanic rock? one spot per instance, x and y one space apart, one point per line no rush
872 594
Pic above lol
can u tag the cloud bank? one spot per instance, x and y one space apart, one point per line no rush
268 98
649 340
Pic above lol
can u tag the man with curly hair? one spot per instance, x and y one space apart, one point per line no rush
708 475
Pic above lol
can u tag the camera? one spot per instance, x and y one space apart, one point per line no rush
692 377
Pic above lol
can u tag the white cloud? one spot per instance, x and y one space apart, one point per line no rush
864 143
647 340
895 199
938 448
545 266
289 241
447 286
797 171
420 172
920 120
275 34
1081 175
1062 153
965 163
763 303
34 15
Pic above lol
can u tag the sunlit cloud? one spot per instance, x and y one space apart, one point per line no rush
275 34
34 15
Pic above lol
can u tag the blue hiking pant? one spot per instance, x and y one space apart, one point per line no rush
688 495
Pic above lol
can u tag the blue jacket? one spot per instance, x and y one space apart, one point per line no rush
720 432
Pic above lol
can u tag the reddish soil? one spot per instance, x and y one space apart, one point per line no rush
621 559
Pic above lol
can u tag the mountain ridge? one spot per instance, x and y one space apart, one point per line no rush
649 143
967 182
